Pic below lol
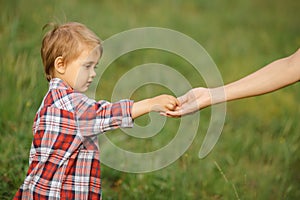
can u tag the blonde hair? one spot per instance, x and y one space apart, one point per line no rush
67 41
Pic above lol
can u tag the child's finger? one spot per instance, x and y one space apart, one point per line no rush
177 102
171 106
175 105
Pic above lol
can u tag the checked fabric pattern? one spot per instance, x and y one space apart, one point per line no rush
64 155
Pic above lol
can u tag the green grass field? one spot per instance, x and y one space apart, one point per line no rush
258 153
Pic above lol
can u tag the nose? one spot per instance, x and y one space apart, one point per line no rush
92 73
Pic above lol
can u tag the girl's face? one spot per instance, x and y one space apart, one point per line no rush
81 71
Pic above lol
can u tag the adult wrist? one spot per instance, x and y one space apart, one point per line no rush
217 95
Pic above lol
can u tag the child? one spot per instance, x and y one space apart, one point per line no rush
64 156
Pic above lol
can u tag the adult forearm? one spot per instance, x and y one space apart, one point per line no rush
275 75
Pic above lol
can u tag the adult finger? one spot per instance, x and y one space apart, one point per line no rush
176 113
182 99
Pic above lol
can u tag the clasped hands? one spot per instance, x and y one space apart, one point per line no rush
192 101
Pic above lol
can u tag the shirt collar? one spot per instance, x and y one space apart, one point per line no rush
57 83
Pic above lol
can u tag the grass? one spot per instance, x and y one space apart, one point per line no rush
257 156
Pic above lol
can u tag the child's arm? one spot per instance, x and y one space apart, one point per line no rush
160 103
97 117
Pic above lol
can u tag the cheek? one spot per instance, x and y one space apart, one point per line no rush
83 72
82 76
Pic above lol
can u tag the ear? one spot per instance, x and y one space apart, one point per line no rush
59 65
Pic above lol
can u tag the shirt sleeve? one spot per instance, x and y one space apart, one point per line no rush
97 117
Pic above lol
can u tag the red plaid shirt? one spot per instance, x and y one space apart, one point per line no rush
64 156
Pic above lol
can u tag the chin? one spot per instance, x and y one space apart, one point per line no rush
82 89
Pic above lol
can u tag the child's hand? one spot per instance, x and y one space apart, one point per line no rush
164 103
161 103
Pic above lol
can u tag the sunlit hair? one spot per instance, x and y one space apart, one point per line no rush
68 41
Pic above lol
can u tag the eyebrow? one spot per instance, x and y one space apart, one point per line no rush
90 62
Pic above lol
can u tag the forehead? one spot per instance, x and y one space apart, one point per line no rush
90 55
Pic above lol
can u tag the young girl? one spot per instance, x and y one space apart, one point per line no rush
64 156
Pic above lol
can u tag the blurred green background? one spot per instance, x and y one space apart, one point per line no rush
258 153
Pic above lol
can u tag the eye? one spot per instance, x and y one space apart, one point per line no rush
87 66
